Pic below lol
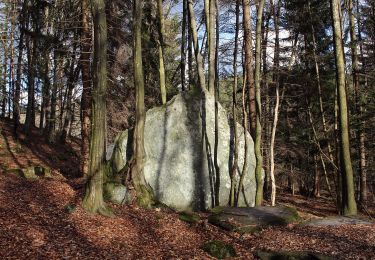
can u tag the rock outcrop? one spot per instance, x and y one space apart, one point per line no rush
179 145
248 220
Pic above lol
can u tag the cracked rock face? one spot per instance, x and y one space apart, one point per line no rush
180 147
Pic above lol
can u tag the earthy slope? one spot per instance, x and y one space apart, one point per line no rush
42 219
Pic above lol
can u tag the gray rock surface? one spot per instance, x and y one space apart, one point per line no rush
251 219
337 221
178 160
116 193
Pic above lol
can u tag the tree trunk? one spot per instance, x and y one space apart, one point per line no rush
214 81
93 201
31 63
68 114
316 178
183 44
86 88
58 74
190 49
233 171
358 106
211 46
163 90
45 109
348 196
276 13
17 91
144 191
198 56
249 64
258 132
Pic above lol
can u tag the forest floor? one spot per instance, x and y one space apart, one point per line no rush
43 219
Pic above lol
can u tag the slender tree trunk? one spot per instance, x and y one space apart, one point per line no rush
358 106
190 53
316 178
321 108
349 204
211 46
93 200
4 73
72 120
86 88
258 136
17 91
4 88
246 152
214 81
183 44
316 140
45 108
31 60
11 60
144 191
163 90
74 72
198 56
58 74
276 12
265 31
233 172
249 64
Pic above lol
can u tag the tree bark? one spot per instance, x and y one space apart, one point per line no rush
31 58
249 64
144 191
258 132
86 88
233 171
358 106
183 44
198 56
163 90
348 196
17 91
93 201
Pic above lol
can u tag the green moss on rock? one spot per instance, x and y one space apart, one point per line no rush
116 193
219 249
189 217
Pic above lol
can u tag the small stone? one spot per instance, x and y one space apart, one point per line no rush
219 249
116 193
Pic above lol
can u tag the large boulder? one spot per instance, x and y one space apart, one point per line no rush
247 220
180 144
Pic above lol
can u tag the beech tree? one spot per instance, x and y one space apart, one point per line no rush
349 206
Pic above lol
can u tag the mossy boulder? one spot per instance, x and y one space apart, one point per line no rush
116 193
179 147
189 217
290 255
219 249
32 172
249 220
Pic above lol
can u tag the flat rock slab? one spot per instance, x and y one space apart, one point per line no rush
251 219
337 221
290 255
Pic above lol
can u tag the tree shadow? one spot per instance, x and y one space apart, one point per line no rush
35 224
